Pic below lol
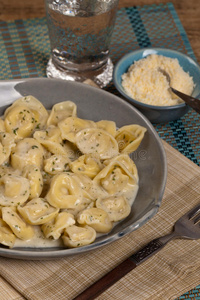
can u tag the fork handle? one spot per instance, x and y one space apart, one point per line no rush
123 268
147 251
107 280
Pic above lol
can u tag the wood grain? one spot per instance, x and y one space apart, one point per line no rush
188 12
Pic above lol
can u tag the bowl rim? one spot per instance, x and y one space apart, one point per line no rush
134 52
15 87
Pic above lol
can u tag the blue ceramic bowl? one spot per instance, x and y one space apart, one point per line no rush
158 114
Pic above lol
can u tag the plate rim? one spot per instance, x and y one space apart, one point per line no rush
55 254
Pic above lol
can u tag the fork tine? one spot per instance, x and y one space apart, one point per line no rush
193 213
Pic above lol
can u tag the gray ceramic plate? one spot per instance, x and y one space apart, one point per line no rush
96 105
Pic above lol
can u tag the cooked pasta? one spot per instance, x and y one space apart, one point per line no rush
76 236
61 111
16 223
56 227
6 145
64 178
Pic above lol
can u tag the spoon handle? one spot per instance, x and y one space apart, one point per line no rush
194 103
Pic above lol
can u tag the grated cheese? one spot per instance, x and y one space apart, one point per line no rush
143 81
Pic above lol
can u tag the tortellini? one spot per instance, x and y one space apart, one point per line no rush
6 145
101 143
115 178
18 226
55 228
70 126
89 188
64 180
34 175
14 190
117 207
87 165
33 106
37 211
129 137
7 238
20 121
76 236
27 152
51 140
24 116
61 111
64 192
8 170
127 162
56 164
108 126
2 126
96 218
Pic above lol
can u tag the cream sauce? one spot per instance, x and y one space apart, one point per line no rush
92 190
38 241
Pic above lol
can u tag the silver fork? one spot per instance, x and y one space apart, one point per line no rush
187 227
191 101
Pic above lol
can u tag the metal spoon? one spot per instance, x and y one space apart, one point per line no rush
193 102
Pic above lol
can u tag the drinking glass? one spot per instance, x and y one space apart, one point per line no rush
80 33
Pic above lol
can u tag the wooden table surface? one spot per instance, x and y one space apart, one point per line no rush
188 12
